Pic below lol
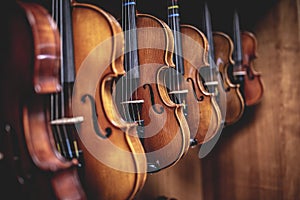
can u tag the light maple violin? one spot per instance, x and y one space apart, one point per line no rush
115 164
223 47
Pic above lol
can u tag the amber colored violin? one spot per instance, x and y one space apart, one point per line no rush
148 54
243 70
29 77
201 109
223 47
114 159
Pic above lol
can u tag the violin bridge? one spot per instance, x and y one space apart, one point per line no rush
239 73
178 97
133 101
211 83
72 120
179 92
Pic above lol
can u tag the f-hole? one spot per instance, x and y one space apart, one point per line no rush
152 99
194 89
95 118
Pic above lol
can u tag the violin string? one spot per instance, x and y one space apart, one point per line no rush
209 33
52 117
57 128
298 17
52 114
129 43
60 132
174 22
178 49
127 107
63 18
61 57
172 74
133 41
123 79
54 99
135 47
174 55
204 73
126 61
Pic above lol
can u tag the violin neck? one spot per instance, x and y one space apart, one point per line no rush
207 27
129 26
174 24
62 15
237 53
62 119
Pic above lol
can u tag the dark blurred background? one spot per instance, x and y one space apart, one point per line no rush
250 12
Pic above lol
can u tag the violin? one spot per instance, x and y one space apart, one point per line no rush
163 129
29 79
200 107
114 164
220 57
243 70
223 47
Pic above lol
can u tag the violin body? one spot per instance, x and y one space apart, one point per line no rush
29 74
167 135
223 47
210 114
114 159
253 86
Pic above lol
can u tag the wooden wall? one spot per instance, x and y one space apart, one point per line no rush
258 157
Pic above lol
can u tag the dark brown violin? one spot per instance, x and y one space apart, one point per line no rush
115 164
243 70
29 78
163 129
223 47
200 107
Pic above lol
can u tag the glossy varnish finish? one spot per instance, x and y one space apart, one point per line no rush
171 138
258 156
110 175
201 111
30 73
223 47
194 47
253 85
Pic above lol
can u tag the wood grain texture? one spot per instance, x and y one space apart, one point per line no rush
257 157
98 44
223 59
181 181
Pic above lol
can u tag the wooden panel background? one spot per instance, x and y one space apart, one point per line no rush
258 157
